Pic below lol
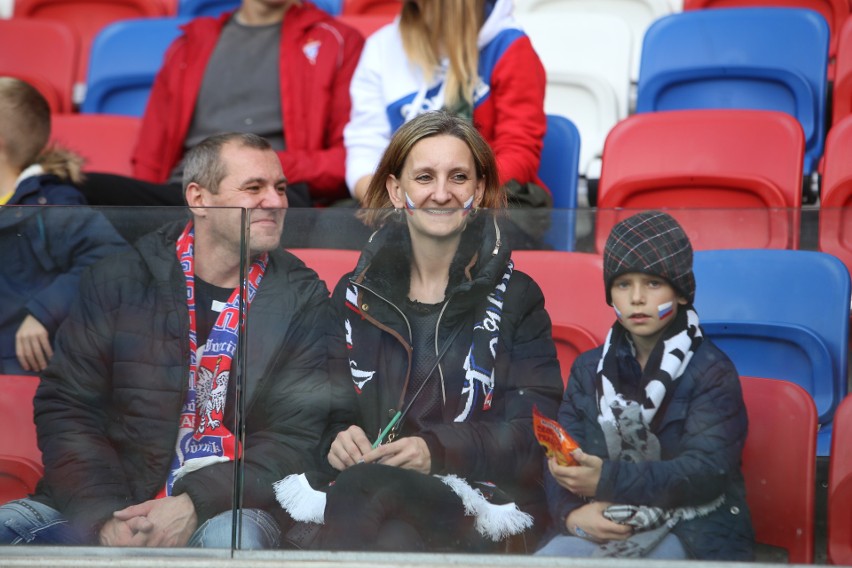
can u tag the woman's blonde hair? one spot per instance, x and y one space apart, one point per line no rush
431 29
377 206
25 129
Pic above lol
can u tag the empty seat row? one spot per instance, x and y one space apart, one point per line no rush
721 58
689 60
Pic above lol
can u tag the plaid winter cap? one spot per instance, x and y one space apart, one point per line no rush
651 242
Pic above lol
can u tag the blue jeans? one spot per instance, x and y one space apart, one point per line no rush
28 522
259 531
669 548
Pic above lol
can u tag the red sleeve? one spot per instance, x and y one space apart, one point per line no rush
324 169
517 85
156 149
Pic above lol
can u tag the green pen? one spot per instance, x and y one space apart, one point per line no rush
387 429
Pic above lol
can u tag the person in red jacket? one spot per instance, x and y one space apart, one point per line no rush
277 68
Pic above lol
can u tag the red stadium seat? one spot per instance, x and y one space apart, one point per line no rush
732 177
835 12
87 17
571 341
391 7
840 487
573 287
366 23
842 86
20 458
835 214
48 64
329 264
106 141
779 465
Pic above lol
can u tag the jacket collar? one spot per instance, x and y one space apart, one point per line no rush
384 264
302 16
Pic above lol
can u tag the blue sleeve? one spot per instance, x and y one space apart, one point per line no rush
74 238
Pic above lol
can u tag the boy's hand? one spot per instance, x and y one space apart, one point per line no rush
588 522
579 479
32 345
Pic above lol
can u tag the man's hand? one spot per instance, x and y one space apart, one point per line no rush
32 345
579 479
407 453
588 522
170 520
349 448
124 533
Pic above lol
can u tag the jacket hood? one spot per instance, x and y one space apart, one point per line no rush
36 190
500 18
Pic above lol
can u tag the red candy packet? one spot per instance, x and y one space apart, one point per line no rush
554 439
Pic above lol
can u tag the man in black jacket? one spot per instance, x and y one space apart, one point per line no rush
137 415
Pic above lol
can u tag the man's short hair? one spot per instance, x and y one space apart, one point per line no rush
203 163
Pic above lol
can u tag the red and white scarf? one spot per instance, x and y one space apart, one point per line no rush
203 438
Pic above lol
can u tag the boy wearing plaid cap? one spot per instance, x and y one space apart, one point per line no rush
659 415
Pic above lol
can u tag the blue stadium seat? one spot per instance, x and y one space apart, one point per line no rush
560 161
333 7
780 314
559 170
125 58
195 8
758 58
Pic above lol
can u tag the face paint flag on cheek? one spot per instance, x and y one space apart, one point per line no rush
409 205
468 205
664 310
617 313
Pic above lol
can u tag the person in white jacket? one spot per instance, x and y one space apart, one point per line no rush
467 56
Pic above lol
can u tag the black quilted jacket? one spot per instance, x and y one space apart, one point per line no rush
108 405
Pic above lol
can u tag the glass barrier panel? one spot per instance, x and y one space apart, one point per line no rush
309 355
560 250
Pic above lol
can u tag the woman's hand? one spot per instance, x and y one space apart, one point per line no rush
579 479
408 453
349 447
588 522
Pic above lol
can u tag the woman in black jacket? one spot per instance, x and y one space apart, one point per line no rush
443 351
